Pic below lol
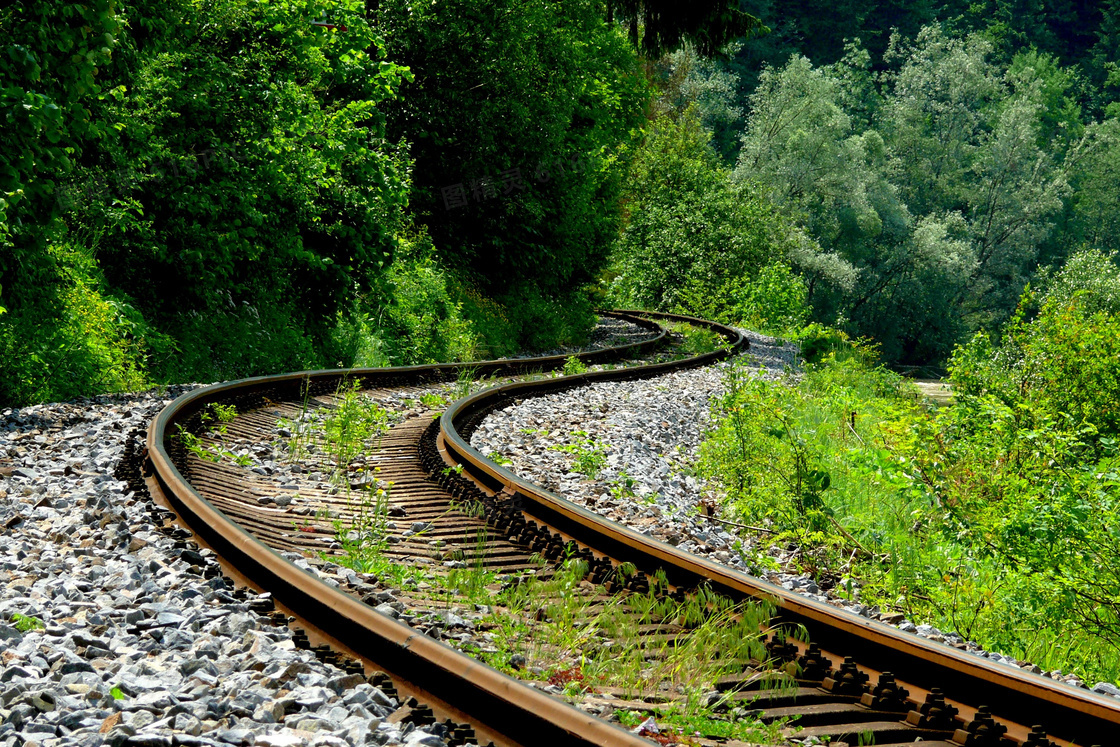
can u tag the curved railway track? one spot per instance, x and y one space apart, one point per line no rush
857 680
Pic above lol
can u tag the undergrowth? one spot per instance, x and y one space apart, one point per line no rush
995 518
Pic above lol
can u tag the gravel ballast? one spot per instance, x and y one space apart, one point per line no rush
112 632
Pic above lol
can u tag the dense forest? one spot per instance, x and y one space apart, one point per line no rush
203 190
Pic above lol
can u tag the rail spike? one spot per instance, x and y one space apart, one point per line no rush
1037 738
888 695
814 665
848 680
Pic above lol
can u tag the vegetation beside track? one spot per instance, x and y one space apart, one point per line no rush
995 518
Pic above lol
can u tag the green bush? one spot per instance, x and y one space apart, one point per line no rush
217 172
1066 358
819 342
74 337
693 242
995 519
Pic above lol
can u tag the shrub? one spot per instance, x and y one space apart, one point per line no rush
74 337
696 243
1066 359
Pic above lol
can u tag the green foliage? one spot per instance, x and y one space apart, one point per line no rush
693 241
210 445
418 318
573 366
774 301
590 455
819 343
271 200
1066 359
72 336
216 172
684 79
363 541
976 517
770 450
694 340
542 92
355 425
933 192
50 67
26 623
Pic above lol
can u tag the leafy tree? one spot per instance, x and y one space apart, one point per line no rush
684 78
695 241
251 161
50 63
522 115
214 171
1094 216
935 194
659 26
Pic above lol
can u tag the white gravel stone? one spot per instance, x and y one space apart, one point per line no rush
110 634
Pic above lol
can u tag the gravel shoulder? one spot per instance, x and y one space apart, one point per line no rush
113 631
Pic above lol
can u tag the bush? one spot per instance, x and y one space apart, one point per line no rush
695 243
973 518
216 171
1066 358
74 337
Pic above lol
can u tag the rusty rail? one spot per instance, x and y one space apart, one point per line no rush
516 714
445 678
1067 713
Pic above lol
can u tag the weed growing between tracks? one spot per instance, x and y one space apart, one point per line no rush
220 416
570 633
590 455
695 340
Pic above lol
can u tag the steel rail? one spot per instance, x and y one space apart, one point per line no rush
501 705
1067 713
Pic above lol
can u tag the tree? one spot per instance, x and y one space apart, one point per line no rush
203 176
965 138
522 115
694 241
684 78
936 192
660 26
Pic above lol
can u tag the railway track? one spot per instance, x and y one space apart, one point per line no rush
857 680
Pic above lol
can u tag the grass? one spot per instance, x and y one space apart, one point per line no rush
26 623
578 641
354 427
695 340
573 366
955 517
218 416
